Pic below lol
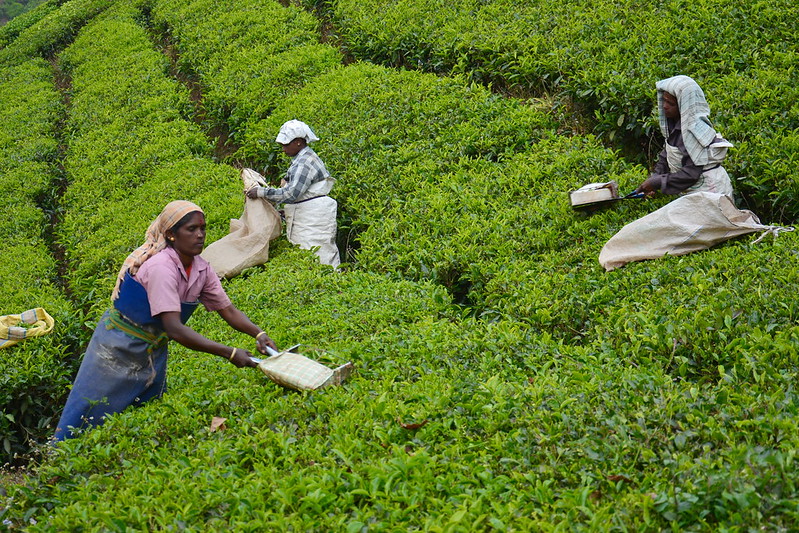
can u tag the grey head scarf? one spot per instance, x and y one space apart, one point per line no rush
697 131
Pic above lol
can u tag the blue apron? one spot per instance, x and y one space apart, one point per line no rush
124 364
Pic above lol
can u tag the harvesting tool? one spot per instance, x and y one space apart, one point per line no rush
596 195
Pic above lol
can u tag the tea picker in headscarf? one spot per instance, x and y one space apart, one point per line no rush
159 286
310 212
691 159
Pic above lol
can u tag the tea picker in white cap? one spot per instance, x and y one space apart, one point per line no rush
310 212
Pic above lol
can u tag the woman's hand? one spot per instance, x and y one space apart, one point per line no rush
241 358
251 193
262 340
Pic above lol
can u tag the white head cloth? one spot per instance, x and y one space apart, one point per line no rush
697 131
295 129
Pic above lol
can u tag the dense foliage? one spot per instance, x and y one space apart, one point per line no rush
14 8
504 380
33 376
606 57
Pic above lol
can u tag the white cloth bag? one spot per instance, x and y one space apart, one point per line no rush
312 223
247 243
690 223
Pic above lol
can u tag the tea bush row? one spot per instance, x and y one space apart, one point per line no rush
35 383
446 424
131 149
10 31
248 59
607 56
53 31
544 412
34 372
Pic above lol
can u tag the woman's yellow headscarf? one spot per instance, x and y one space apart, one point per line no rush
155 241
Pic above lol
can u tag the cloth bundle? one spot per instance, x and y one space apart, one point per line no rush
690 223
11 332
247 243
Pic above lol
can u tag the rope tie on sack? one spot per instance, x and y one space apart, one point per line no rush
773 230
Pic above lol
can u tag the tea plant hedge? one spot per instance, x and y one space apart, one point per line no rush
606 57
452 425
33 374
53 31
10 31
504 380
247 59
130 146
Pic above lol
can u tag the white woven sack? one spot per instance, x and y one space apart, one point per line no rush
690 223
295 371
247 243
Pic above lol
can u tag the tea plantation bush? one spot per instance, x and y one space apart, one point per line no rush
10 31
53 31
450 424
607 56
35 372
248 59
504 381
130 146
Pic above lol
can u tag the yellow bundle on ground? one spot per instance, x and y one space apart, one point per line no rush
36 322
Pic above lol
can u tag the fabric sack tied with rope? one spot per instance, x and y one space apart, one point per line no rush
690 223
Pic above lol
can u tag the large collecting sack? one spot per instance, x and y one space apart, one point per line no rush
690 223
247 244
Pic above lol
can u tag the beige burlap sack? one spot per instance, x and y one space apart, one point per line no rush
247 243
36 322
690 223
295 371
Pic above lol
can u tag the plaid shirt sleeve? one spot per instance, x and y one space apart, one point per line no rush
300 175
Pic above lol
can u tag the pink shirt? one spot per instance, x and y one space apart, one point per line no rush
165 280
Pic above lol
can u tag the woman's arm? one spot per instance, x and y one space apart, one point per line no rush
189 338
241 322
300 176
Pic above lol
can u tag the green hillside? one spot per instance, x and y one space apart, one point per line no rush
503 379
14 8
